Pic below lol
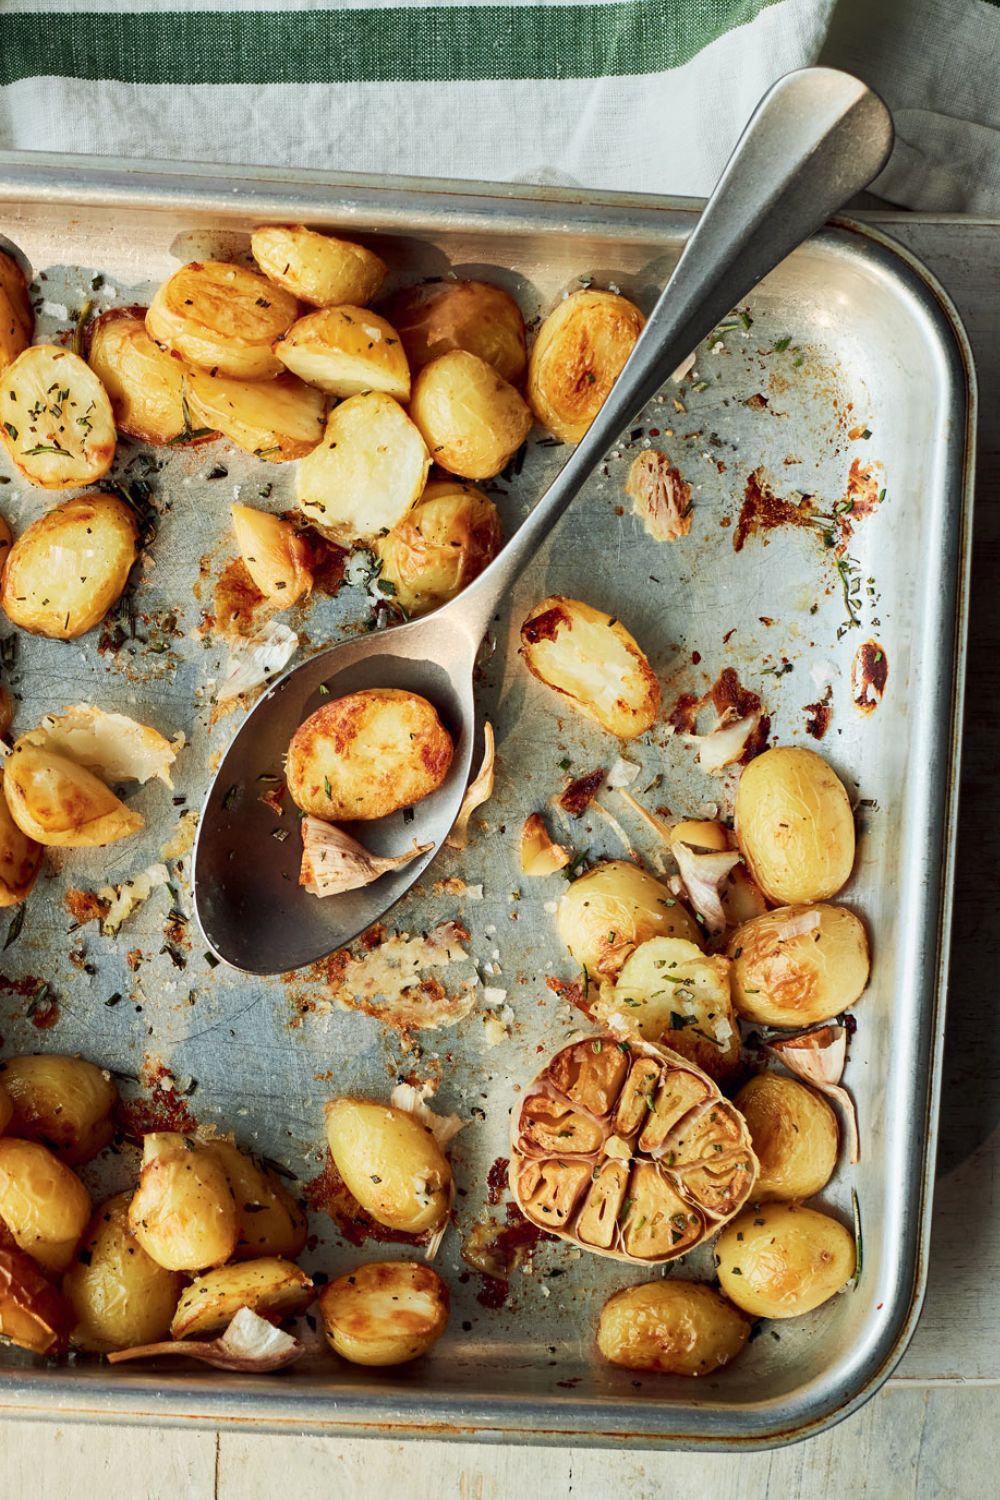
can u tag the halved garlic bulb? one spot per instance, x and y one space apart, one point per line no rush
333 862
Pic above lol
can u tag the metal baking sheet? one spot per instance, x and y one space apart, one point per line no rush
849 336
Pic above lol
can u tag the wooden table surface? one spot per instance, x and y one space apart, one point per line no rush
933 1430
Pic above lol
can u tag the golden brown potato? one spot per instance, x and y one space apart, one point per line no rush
65 1102
276 556
32 1313
434 318
593 661
317 268
270 1220
439 546
119 1295
779 1260
798 965
669 991
604 916
472 421
55 418
275 420
65 572
61 804
367 755
577 357
222 318
366 473
13 339
145 384
671 1328
17 319
390 1162
183 1213
795 1136
384 1313
43 1203
794 825
274 1289
20 859
346 351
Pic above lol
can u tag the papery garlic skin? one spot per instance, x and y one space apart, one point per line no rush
333 862
479 791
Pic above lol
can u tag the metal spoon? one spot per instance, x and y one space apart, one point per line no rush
817 138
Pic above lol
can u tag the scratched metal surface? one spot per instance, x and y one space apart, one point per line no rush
872 347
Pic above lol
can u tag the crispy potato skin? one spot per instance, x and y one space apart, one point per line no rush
779 1260
390 1162
273 1288
119 1295
671 1328
367 755
604 915
440 546
43 1203
271 1223
472 420
673 993
786 977
794 825
317 268
346 351
65 1102
370 467
144 383
594 662
65 572
20 859
222 318
472 315
17 318
182 1212
384 1313
577 356
795 1136
55 419
273 420
61 804
33 1315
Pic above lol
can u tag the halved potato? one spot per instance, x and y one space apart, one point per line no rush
346 350
119 1294
43 1203
604 916
317 268
144 382
671 1328
795 1136
65 1102
593 661
183 1213
669 991
799 965
473 422
434 318
367 755
439 546
59 803
55 418
276 420
20 859
65 572
385 1313
276 556
271 1222
273 1288
370 467
391 1162
222 318
33 1315
577 357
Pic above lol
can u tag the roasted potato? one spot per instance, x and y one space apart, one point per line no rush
222 318
20 859
274 1289
794 825
276 556
390 1162
183 1213
434 318
17 320
6 1107
144 382
33 1315
43 1203
594 662
270 1220
317 268
671 1328
779 1260
275 420
439 546
795 1136
367 755
798 965
66 1103
604 916
55 418
669 991
119 1295
346 351
577 356
472 420
384 1313
370 467
65 572
59 803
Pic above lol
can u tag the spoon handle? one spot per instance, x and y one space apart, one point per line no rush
817 137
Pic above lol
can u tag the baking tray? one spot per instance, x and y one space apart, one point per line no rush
850 336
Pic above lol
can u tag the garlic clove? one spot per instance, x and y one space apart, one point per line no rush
703 875
661 495
818 1056
250 1344
333 862
478 791
702 834
274 554
540 854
